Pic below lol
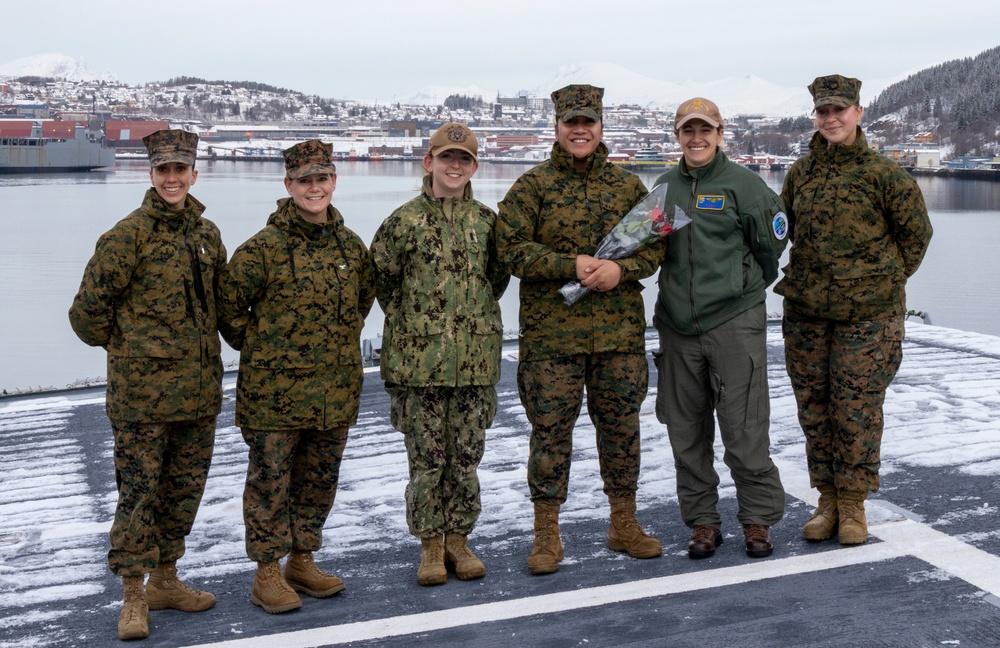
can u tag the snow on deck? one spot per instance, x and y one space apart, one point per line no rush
57 497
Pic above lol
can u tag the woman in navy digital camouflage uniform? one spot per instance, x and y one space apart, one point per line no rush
438 282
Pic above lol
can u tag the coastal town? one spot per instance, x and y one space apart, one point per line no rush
928 574
252 122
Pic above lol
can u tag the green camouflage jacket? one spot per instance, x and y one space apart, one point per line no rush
295 300
551 214
722 263
858 227
148 296
438 282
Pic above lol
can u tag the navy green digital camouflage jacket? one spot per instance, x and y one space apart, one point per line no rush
148 296
438 282
858 226
552 214
295 300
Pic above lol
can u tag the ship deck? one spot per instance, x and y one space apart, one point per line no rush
929 575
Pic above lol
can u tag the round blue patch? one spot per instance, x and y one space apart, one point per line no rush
779 224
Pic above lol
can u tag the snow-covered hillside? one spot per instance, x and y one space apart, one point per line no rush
53 65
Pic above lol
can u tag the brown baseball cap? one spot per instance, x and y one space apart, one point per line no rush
698 108
310 157
453 136
172 145
835 90
576 100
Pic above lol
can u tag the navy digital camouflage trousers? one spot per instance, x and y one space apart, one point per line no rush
160 470
552 394
840 372
444 429
290 487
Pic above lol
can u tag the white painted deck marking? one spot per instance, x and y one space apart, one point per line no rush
899 538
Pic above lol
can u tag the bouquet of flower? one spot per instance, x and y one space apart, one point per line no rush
645 223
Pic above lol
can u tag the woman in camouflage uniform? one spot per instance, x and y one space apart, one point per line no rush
859 228
148 296
296 298
438 281
551 221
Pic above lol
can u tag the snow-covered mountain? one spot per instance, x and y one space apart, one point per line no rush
735 96
435 95
54 65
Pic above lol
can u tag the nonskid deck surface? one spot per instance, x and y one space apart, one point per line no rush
930 575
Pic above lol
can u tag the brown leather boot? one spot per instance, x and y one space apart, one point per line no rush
704 540
133 623
758 540
432 570
302 575
459 557
625 534
270 590
823 523
165 591
853 527
547 549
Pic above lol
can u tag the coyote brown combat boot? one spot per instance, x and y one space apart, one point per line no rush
432 570
625 534
460 558
853 525
547 549
302 575
133 623
270 590
165 591
823 523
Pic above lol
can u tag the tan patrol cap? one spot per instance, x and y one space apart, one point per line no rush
453 136
698 108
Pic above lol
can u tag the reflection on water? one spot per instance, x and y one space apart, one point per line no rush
945 194
52 222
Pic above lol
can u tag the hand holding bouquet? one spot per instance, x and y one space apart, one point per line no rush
648 222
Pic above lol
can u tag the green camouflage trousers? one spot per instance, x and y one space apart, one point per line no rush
840 372
552 395
444 429
160 470
291 484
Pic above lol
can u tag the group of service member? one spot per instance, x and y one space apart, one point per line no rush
293 298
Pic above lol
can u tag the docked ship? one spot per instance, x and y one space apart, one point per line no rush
644 159
37 153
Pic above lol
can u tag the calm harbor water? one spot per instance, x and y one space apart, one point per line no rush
51 223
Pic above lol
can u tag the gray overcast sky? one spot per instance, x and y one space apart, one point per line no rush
376 50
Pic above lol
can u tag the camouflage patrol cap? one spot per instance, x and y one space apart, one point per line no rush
835 90
171 146
310 157
575 100
453 136
698 108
